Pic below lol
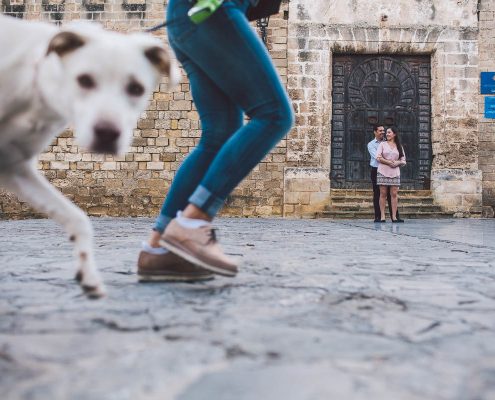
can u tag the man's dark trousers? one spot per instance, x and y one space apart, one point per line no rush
376 197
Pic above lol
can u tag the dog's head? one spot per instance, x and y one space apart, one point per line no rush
103 82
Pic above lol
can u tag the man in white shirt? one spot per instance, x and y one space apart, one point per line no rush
379 132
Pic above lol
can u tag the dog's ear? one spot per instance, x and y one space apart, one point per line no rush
162 61
65 42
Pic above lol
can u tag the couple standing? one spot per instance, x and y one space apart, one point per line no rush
386 158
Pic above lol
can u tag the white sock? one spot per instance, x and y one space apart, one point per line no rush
190 223
153 250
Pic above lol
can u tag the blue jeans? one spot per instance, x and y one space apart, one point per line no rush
230 73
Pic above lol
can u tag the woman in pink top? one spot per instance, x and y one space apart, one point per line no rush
391 157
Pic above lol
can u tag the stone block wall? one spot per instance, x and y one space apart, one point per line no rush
293 180
122 15
136 183
458 190
487 126
320 29
305 191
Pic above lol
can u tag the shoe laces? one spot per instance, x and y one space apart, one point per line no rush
212 236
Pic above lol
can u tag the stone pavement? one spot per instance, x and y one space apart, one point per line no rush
321 310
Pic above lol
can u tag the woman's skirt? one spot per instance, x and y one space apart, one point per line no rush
382 180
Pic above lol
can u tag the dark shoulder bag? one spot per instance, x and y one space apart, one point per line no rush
263 9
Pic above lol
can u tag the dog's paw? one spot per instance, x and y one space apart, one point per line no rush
79 277
91 285
94 292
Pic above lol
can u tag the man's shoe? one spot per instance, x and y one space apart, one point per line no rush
398 220
377 220
198 246
169 268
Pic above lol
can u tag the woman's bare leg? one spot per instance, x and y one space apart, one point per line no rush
383 200
394 194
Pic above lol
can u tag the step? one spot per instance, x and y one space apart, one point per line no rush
370 215
358 203
369 200
368 192
402 208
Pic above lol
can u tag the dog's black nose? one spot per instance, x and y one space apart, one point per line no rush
106 131
106 136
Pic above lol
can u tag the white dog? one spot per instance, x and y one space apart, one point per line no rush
98 81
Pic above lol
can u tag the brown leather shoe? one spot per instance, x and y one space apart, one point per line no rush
198 246
169 268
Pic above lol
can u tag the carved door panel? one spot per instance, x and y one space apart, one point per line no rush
390 90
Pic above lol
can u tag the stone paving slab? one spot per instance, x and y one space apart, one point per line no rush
321 310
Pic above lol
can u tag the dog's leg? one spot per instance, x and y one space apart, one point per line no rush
29 185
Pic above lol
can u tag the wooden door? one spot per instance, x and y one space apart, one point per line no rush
389 90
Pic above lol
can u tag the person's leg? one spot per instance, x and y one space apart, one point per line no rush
220 118
394 199
231 54
376 193
383 197
389 200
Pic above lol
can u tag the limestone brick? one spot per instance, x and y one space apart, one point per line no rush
458 190
306 191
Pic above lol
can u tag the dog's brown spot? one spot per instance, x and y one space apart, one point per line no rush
65 42
91 292
159 57
72 238
83 256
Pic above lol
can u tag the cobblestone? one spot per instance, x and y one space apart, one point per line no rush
321 310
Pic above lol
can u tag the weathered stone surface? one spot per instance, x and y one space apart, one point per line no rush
306 186
393 12
170 126
320 310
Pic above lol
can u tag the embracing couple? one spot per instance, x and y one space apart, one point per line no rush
386 158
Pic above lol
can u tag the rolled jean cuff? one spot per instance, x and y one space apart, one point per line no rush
161 223
206 201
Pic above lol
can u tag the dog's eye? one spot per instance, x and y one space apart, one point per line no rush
86 81
135 89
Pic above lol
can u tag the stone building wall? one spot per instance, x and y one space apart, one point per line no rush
136 183
458 36
446 31
487 126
